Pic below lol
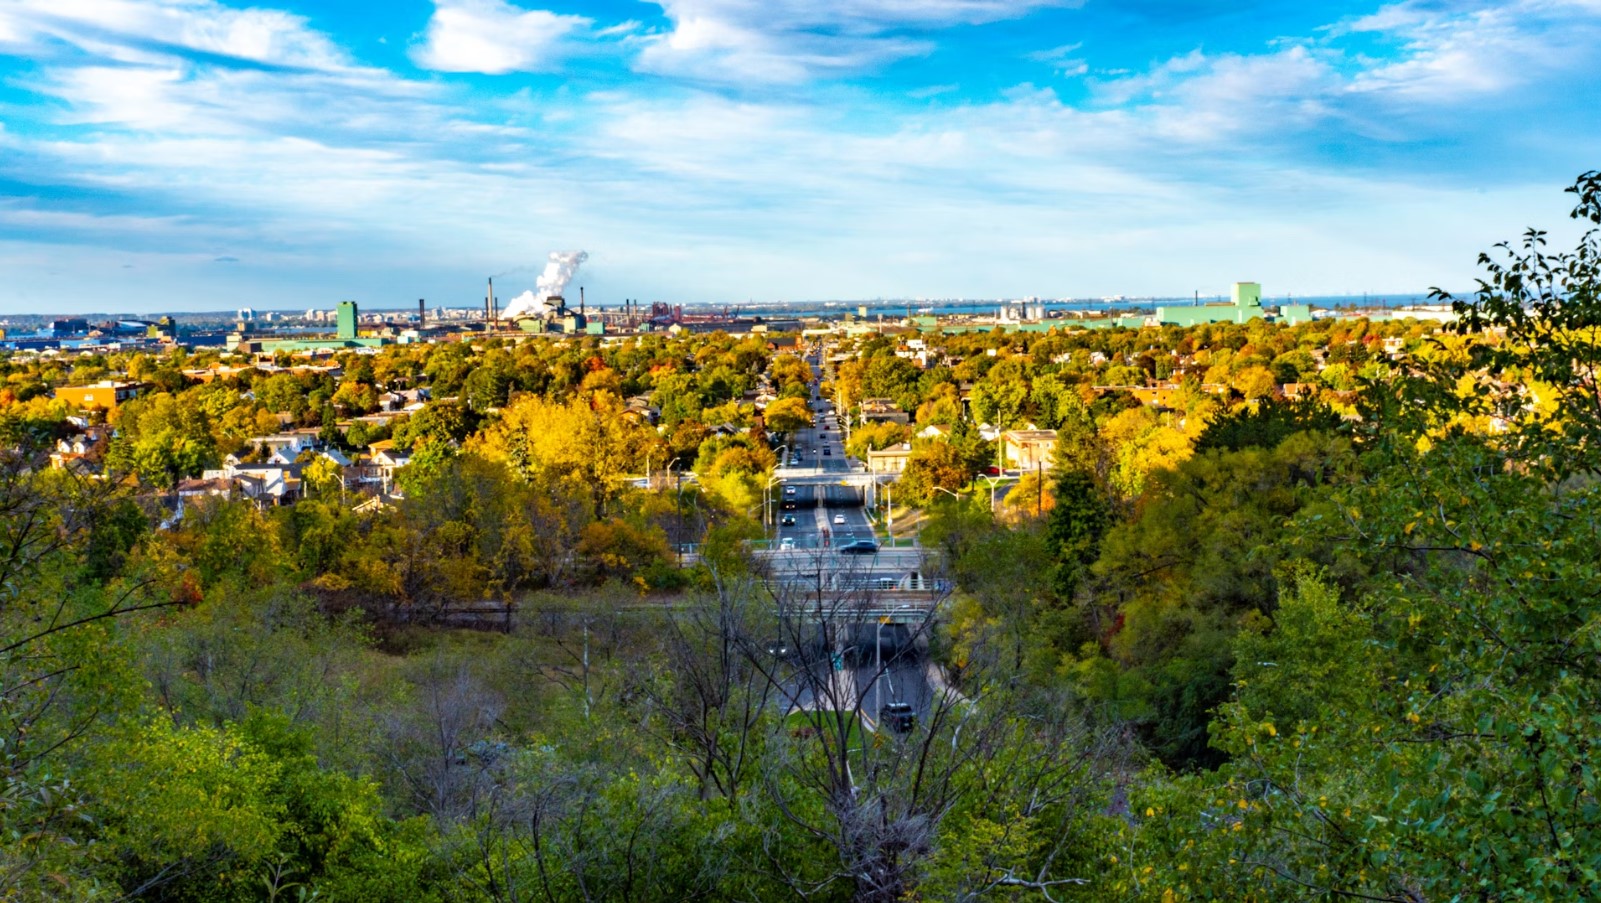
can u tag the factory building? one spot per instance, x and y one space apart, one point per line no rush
1245 307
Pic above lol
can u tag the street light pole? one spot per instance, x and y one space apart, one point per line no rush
889 513
678 506
767 496
878 669
993 481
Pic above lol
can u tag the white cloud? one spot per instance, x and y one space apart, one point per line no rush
146 30
789 41
1451 53
494 37
1061 60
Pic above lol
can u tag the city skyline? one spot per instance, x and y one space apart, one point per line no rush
188 154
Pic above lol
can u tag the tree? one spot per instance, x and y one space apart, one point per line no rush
1267 423
1000 404
788 415
1547 309
161 440
935 465
324 475
1078 521
585 445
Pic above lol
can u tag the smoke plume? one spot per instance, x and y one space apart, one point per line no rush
559 271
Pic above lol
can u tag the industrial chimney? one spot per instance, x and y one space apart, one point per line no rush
580 299
489 305
422 312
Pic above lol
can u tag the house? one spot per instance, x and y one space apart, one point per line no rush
882 410
81 452
285 447
1028 449
889 460
639 408
270 483
934 431
104 395
385 460
195 488
372 505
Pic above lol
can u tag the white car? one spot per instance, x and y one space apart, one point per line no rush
839 520
786 543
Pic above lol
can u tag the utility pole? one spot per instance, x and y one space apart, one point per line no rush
1039 481
878 668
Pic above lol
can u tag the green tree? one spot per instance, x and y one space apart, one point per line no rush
1547 310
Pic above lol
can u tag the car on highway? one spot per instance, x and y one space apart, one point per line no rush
839 519
859 547
827 453
789 490
786 544
788 520
899 717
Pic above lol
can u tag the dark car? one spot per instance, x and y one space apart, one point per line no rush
859 547
788 520
826 452
898 717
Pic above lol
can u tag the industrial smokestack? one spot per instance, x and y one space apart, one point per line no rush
580 299
489 303
421 312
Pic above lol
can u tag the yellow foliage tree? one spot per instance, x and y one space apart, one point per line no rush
582 443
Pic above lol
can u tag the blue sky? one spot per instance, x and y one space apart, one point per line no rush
196 154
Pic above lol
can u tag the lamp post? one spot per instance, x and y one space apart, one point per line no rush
678 506
878 669
993 481
889 513
936 489
767 496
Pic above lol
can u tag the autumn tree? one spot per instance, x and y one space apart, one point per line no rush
788 415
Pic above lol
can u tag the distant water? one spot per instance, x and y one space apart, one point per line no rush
898 309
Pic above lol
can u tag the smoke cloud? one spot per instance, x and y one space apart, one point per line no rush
559 271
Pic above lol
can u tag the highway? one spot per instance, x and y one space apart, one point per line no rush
815 510
819 510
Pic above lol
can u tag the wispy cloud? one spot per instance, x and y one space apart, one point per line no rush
1449 53
144 30
789 41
